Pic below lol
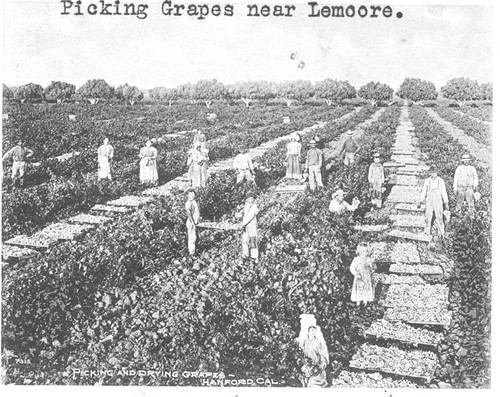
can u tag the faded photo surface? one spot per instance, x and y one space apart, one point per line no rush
247 195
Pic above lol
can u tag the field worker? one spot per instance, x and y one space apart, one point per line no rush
104 159
314 160
315 358
376 180
465 183
149 170
249 227
243 166
19 154
350 148
435 197
193 216
339 205
200 138
293 158
197 169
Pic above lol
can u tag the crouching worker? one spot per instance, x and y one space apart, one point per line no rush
338 205
249 227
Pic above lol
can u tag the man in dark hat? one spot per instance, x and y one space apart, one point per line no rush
465 183
249 227
435 197
314 160
19 154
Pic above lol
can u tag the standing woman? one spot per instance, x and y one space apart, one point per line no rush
293 158
149 170
104 158
197 166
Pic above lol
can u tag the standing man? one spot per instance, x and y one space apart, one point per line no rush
193 217
243 166
376 179
465 183
350 148
249 227
104 158
435 197
314 160
19 154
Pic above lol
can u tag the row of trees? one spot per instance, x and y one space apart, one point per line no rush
331 91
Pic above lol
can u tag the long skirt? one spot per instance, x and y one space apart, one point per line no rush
148 172
376 193
196 174
104 168
293 167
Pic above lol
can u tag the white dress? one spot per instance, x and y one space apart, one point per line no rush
104 154
148 169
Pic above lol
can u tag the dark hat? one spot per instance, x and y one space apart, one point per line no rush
432 168
191 190
250 194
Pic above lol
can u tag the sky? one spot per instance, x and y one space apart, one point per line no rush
435 43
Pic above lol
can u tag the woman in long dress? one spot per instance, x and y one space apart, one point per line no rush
148 167
104 158
362 268
293 158
197 167
315 359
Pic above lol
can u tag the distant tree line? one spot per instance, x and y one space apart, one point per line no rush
333 92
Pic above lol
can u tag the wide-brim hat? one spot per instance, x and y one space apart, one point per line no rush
465 156
376 154
250 194
337 193
432 168
190 190
349 133
312 143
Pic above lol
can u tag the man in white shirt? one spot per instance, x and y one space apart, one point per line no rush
465 183
435 197
244 167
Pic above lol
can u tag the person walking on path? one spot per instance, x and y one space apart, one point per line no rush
104 158
314 160
148 168
193 217
197 166
350 148
362 268
18 154
244 167
465 183
376 180
315 358
249 227
293 149
435 197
